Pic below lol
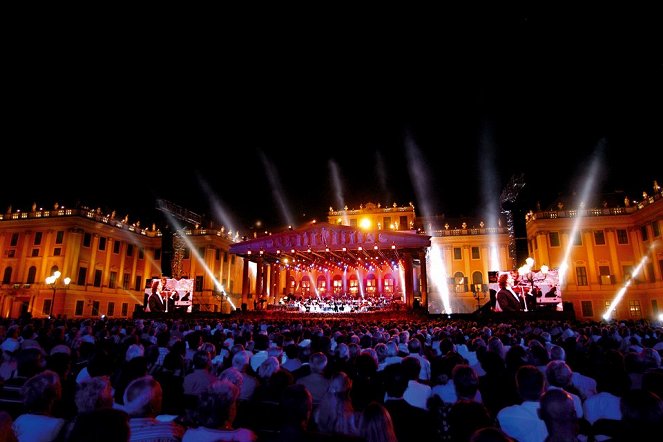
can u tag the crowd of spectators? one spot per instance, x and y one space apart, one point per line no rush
296 378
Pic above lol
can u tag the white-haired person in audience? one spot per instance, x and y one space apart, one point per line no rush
241 361
215 414
558 375
40 393
142 402
316 382
585 384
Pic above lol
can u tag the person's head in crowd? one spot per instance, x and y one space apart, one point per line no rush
335 412
372 353
558 412
466 381
94 393
241 360
530 383
366 365
201 360
411 367
233 375
516 356
101 425
414 346
292 351
376 425
318 362
61 364
134 351
143 397
651 359
558 374
538 355
382 351
496 345
41 392
395 381
557 353
217 406
490 434
268 367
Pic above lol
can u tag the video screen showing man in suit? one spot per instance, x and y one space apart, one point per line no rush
534 291
170 295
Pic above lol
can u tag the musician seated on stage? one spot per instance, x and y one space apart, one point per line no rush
552 293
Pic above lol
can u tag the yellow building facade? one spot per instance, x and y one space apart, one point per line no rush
103 264
614 256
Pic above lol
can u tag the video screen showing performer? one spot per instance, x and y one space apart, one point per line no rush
170 295
534 291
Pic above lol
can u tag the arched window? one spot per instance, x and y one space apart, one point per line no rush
322 284
388 284
31 275
460 282
337 282
54 269
292 285
353 285
371 284
306 285
477 278
7 277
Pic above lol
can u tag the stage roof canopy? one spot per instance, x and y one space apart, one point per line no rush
326 246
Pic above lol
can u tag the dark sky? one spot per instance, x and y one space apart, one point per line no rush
117 121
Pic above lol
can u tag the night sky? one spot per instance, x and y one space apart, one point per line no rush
254 118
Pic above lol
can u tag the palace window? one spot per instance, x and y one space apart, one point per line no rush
554 239
587 309
622 236
337 284
388 283
599 238
581 275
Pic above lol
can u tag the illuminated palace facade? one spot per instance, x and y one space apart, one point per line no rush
615 255
103 264
373 251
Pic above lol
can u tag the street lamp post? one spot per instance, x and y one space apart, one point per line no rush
52 281
479 294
